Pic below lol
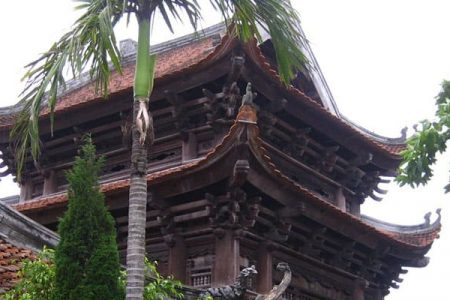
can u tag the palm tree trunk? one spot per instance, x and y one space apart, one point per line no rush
136 216
142 128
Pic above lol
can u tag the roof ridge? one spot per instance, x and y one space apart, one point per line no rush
424 227
22 231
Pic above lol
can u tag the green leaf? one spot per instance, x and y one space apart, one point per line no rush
91 44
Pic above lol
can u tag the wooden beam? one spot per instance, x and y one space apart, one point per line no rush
306 168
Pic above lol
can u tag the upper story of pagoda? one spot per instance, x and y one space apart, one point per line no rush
198 90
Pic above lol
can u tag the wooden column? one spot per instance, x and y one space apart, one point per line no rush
340 199
177 256
226 262
359 286
356 208
264 267
379 295
189 146
26 190
50 183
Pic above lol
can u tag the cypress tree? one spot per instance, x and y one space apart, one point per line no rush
87 260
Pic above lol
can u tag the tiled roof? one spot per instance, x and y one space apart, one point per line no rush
168 63
247 115
419 239
197 54
10 260
420 234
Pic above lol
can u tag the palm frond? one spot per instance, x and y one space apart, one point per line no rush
190 8
90 43
279 19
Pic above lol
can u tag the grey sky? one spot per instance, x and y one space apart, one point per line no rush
383 61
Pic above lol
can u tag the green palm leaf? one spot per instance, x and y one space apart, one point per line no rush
279 19
90 43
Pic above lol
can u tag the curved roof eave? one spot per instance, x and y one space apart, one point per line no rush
247 117
410 242
203 53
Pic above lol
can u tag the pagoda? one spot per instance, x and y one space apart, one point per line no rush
244 171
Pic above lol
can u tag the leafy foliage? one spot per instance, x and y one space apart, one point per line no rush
37 279
86 258
430 139
159 287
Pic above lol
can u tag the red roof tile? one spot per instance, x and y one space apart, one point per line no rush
168 64
10 261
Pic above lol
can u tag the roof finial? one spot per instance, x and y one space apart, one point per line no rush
247 99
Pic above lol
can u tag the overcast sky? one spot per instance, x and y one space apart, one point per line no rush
383 60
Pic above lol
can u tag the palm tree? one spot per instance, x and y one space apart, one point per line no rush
91 44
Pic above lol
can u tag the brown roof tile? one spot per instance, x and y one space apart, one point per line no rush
168 63
10 262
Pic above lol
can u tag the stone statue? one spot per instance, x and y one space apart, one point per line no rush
278 290
234 291
243 282
248 97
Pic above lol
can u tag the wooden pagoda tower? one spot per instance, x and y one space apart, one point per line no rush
278 178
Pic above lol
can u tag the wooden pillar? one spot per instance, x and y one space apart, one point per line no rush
26 190
264 266
50 183
379 295
177 256
226 262
359 286
189 146
356 208
340 199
